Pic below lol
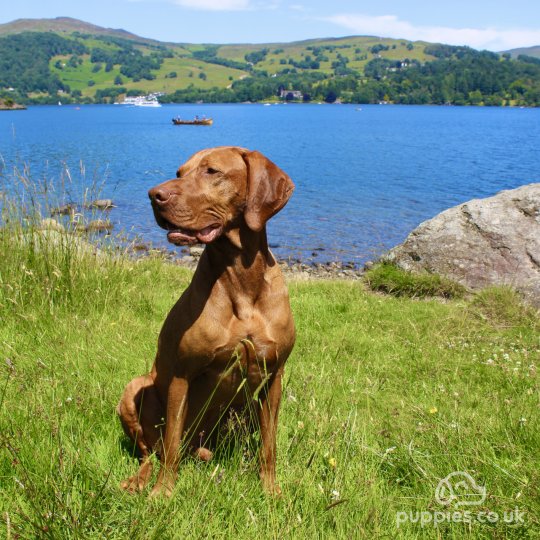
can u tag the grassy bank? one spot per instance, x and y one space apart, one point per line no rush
383 397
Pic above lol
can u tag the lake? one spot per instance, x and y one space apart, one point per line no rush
365 175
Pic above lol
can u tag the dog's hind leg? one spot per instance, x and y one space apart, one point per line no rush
141 415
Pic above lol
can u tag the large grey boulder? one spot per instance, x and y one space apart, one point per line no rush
493 241
62 241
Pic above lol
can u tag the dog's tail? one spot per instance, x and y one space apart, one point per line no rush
129 409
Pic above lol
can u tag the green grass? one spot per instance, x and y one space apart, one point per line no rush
216 75
77 78
388 278
383 397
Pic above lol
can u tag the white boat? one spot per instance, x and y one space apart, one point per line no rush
142 101
148 102
130 100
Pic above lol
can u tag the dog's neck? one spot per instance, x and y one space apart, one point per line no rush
241 257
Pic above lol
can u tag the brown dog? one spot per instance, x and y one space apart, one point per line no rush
226 340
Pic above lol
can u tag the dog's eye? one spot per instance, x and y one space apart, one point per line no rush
211 171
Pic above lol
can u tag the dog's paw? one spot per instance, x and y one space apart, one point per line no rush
203 454
160 490
274 491
165 483
270 487
134 484
138 482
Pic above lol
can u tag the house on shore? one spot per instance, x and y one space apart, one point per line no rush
290 95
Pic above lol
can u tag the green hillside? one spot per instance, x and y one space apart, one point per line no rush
195 65
65 25
44 60
205 67
527 51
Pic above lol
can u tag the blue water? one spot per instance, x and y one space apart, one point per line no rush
364 178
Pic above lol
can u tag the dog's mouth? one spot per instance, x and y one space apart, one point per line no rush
181 236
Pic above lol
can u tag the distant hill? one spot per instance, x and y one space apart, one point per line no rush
182 66
529 51
64 59
65 25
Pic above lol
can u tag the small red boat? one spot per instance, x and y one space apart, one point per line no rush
195 122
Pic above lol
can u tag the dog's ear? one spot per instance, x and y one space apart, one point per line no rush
268 190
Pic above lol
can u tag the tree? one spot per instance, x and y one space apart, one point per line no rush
74 62
118 80
330 96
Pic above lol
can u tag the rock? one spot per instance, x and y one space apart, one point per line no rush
51 224
47 238
101 204
7 104
493 241
64 210
99 225
196 251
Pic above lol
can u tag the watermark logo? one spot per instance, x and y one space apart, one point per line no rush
459 493
461 489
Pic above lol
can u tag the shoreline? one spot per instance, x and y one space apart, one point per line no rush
31 104
97 236
188 257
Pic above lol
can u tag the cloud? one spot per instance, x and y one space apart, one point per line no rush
494 39
225 5
214 5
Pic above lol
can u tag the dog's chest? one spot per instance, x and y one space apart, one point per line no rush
243 357
230 342
218 341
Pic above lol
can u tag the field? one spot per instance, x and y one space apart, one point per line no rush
187 73
356 49
206 75
384 396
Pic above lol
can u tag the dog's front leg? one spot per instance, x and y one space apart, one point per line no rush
268 417
177 406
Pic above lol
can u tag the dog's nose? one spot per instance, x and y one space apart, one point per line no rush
159 195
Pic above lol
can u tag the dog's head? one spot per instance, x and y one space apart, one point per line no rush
218 189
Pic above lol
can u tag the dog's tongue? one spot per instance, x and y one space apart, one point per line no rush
183 236
208 234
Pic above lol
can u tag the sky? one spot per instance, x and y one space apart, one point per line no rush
482 24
